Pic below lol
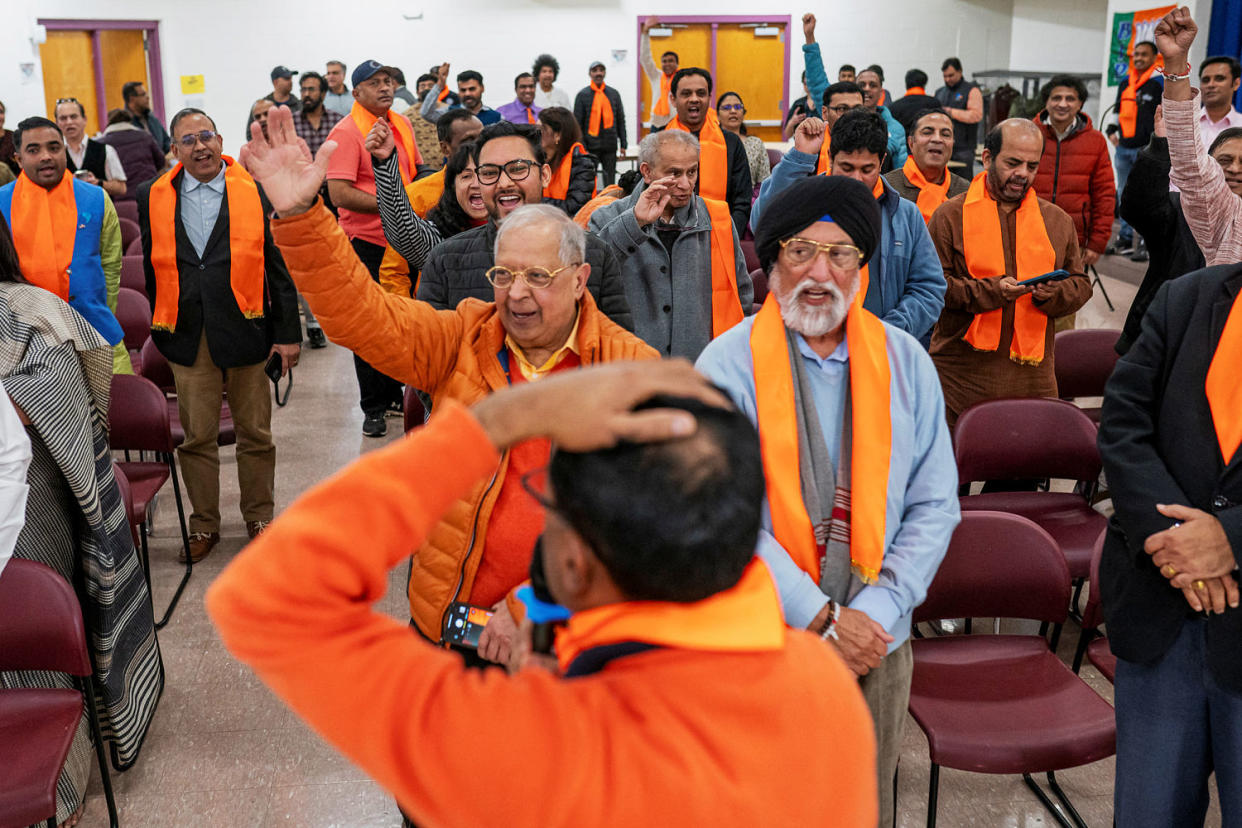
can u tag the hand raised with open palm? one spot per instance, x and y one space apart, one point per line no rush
282 163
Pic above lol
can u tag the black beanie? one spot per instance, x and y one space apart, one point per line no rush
849 203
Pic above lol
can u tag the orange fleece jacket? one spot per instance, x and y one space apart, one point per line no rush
668 736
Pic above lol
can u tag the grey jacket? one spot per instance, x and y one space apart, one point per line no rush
455 267
670 296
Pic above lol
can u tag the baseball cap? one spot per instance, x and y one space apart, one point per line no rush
366 69
596 63
283 72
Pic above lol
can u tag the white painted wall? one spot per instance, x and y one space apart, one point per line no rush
1063 35
235 43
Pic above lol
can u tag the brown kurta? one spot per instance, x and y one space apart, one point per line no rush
967 375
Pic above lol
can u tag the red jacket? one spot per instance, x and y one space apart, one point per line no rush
1076 175
764 726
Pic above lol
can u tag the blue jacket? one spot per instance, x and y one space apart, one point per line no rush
88 291
817 83
910 291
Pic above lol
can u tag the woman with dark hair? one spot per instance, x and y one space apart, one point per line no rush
460 208
57 371
573 168
731 113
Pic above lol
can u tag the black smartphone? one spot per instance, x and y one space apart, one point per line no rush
464 623
272 368
1054 276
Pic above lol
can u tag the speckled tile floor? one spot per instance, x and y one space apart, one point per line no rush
223 752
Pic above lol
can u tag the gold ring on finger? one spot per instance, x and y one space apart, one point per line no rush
1199 584
1169 571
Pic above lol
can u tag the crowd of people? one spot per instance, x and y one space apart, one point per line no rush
732 555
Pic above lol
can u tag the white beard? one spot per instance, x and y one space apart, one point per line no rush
812 321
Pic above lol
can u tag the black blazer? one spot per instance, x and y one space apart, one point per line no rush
1159 446
206 294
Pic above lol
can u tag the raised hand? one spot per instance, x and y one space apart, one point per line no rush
808 27
380 142
810 135
442 74
1159 128
282 163
653 201
1174 34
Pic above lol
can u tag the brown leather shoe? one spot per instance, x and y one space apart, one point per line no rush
254 528
200 544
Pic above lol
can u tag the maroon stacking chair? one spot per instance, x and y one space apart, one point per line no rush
774 157
1035 438
133 247
138 421
41 628
760 281
155 368
133 311
1004 704
748 250
132 515
133 276
130 232
1092 643
126 209
1083 361
412 409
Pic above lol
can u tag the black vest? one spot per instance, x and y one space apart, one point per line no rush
965 136
95 159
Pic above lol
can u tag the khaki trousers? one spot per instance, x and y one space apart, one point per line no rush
200 389
886 690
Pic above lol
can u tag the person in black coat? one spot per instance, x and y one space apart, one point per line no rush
1172 549
562 139
606 140
211 341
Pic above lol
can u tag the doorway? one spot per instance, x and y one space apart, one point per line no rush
746 55
91 60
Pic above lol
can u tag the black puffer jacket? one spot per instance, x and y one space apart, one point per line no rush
581 184
454 271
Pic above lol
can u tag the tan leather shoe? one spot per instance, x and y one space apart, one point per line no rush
200 544
254 528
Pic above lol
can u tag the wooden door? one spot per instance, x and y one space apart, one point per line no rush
69 72
753 66
693 44
124 58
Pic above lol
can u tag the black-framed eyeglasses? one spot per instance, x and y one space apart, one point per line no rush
841 109
841 256
191 138
535 482
535 277
517 170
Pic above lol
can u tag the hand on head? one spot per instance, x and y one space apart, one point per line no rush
282 163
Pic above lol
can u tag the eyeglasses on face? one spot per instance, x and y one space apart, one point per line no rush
841 109
517 170
732 107
801 251
191 138
535 482
534 277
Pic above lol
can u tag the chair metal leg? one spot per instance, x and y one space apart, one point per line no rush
1056 637
1065 800
185 544
145 553
1081 650
1095 280
88 687
966 626
1047 803
933 790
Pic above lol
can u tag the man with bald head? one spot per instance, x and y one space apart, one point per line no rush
994 338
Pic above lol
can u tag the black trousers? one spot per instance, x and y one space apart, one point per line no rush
608 163
376 391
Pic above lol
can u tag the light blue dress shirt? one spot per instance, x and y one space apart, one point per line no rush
922 480
200 207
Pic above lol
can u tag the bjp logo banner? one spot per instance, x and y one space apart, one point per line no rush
1130 28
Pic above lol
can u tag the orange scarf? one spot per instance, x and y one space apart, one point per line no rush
45 227
1224 390
726 305
364 120
1127 111
744 618
824 166
558 187
985 259
601 111
931 195
916 90
872 438
666 89
246 271
713 157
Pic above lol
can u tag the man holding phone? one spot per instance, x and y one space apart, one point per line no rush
994 338
223 306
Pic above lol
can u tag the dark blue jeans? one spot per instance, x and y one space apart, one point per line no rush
1124 158
1175 726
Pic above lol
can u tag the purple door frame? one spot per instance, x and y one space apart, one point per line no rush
714 21
155 71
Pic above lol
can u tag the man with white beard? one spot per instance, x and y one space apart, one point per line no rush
862 488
